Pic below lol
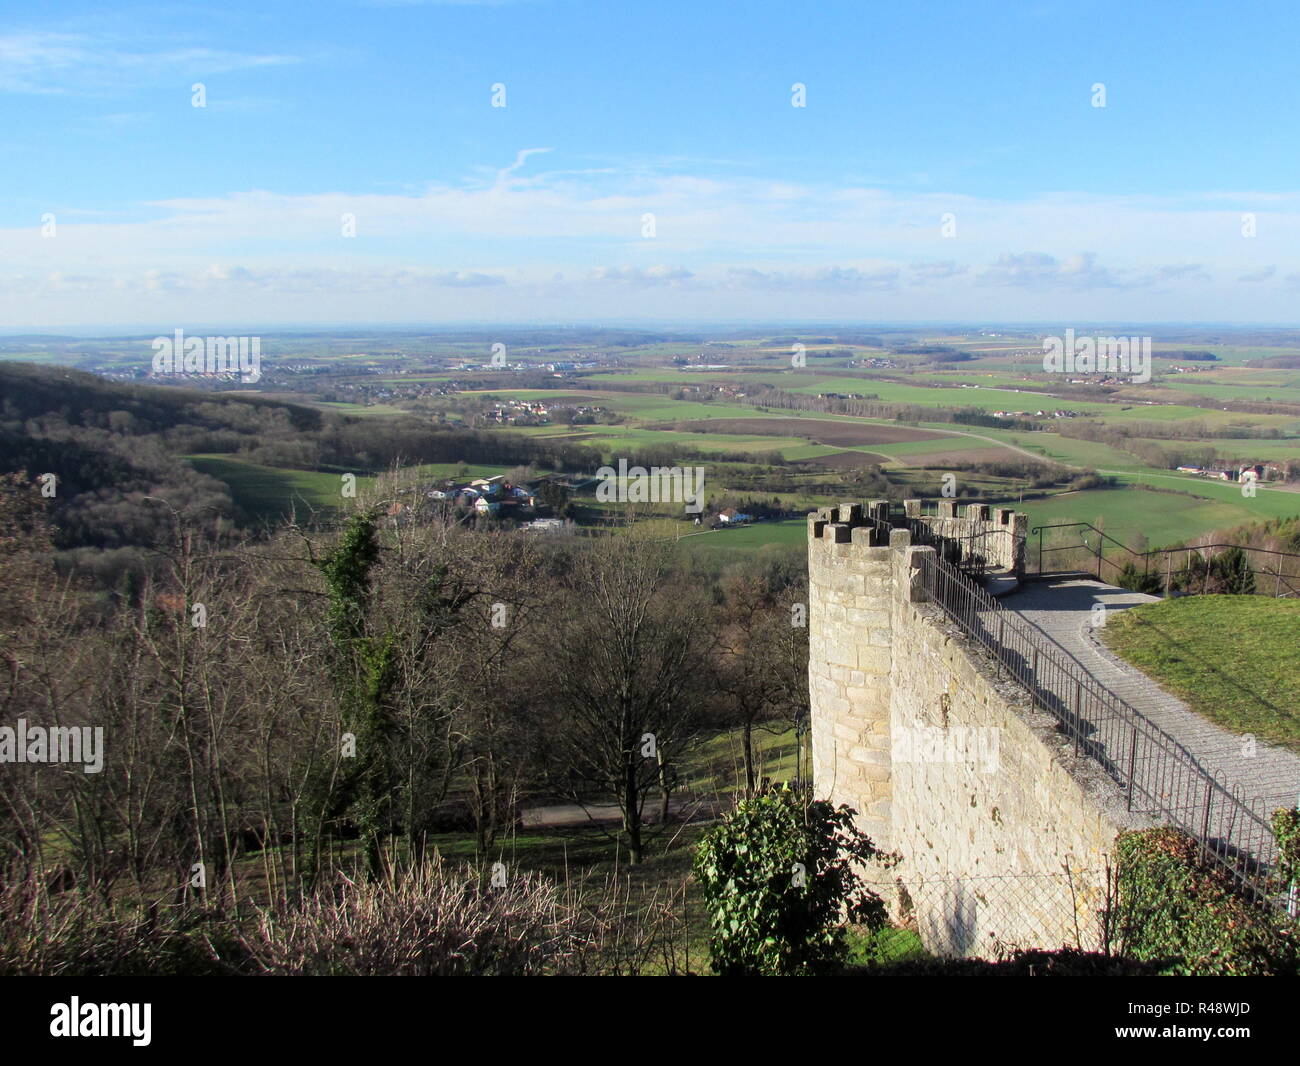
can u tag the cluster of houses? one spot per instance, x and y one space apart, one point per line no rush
489 495
518 413
1036 414
721 392
1250 472
560 367
525 413
485 495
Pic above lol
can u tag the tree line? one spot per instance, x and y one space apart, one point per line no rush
276 705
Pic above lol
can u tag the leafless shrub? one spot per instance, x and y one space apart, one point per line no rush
423 921
78 935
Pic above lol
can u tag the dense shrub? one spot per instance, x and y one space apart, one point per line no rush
1227 573
1286 830
1176 910
778 876
1130 577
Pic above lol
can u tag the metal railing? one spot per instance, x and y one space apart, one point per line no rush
1275 573
1158 776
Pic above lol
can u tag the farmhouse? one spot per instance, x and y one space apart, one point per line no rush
549 525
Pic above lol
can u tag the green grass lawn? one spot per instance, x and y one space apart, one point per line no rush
1269 502
716 767
749 538
1231 658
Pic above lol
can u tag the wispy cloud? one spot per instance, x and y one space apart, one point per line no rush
40 61
1256 276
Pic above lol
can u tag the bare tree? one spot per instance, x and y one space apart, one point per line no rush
629 649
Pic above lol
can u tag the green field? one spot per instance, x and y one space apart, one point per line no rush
1267 503
1161 517
751 538
1067 450
272 493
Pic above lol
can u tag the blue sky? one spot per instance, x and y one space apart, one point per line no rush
977 113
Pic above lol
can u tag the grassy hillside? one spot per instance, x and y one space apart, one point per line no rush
750 538
267 492
1231 658
1162 517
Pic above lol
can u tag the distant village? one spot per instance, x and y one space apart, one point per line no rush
494 497
1036 414
536 413
1233 472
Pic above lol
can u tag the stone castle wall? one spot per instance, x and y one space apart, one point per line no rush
1005 835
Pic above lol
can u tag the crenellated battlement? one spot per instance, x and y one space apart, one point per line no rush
980 538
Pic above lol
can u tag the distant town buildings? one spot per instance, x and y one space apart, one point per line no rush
1231 471
489 496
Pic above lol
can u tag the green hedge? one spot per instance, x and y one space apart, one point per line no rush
1186 916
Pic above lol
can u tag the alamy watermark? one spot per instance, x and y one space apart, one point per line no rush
56 744
78 1019
659 484
970 745
179 354
1110 356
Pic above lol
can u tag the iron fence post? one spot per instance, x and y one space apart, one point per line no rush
1205 817
1078 713
1132 765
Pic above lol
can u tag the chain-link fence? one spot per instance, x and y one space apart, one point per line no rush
990 915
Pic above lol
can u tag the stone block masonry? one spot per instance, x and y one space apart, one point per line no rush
1005 834
997 535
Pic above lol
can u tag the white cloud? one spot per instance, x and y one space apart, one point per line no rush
639 276
1033 270
522 244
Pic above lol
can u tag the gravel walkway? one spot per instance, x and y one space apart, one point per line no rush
1062 609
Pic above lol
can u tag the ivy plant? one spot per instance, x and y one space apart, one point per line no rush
780 875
